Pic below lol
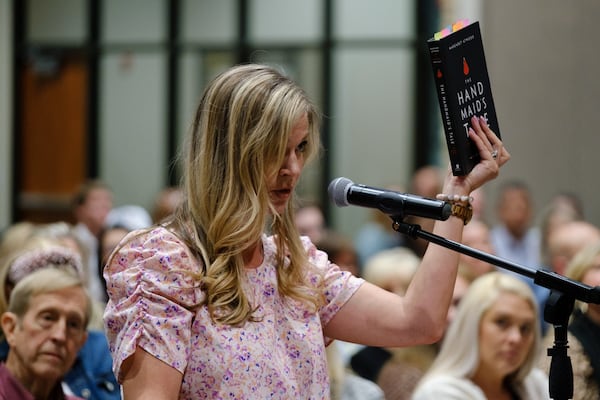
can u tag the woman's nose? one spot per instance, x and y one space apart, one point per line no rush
291 166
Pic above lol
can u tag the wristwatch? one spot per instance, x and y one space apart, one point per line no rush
464 212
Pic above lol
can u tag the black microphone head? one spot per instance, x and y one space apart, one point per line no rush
338 191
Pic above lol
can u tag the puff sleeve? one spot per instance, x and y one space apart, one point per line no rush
152 296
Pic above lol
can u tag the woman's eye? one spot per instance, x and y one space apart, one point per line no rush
526 329
502 322
302 146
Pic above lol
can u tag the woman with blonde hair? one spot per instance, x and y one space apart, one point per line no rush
491 346
228 301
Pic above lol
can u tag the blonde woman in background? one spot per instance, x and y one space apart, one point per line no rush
491 346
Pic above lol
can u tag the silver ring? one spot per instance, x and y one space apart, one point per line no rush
494 154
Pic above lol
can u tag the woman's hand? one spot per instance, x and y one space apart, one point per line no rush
493 155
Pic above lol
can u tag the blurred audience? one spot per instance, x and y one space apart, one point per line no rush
476 234
63 234
491 346
566 240
45 327
463 281
310 221
91 204
166 203
14 237
426 182
340 250
129 216
515 238
395 370
562 207
584 328
108 240
91 375
345 384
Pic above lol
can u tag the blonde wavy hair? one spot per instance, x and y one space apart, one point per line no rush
238 141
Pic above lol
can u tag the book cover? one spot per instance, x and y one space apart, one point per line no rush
463 89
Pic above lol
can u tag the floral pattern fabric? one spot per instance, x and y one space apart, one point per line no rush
153 305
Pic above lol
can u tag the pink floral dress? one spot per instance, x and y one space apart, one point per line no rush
152 306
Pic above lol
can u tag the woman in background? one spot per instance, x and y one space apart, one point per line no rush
491 346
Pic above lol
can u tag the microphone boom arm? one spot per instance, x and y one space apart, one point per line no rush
541 277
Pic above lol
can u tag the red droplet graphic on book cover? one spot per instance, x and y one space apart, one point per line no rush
465 66
439 74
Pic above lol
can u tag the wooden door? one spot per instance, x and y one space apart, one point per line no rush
52 156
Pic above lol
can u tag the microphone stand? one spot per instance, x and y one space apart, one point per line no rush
557 310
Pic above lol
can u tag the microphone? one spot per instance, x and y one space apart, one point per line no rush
343 192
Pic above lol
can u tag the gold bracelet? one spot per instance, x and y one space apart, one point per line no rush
461 211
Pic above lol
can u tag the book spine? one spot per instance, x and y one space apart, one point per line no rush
450 130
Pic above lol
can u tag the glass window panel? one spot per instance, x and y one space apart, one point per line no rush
132 126
57 21
373 120
209 21
196 68
134 21
366 19
285 21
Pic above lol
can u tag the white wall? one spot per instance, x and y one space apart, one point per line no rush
543 61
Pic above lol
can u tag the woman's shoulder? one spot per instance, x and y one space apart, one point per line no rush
158 244
155 259
535 385
447 387
154 235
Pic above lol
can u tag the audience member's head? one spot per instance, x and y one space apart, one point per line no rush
32 242
108 240
340 250
40 255
514 208
45 326
91 205
494 337
15 236
129 216
476 234
566 240
392 269
463 281
561 209
166 202
585 267
427 182
310 221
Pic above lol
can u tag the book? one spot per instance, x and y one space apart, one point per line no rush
463 89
